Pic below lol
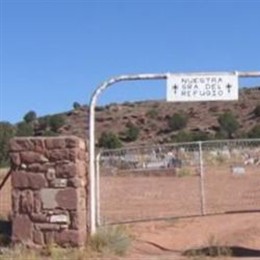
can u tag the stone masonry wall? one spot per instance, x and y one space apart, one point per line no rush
49 191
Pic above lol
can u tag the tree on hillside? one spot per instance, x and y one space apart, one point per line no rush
76 105
109 140
228 124
132 132
30 116
56 122
177 122
7 131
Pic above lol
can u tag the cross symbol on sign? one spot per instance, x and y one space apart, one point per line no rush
175 87
228 87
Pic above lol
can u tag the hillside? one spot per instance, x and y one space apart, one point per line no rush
151 118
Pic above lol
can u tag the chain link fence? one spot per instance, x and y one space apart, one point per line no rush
178 180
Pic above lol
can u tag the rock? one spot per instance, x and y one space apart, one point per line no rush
66 170
38 217
33 157
37 202
67 198
58 155
50 175
48 196
55 143
38 237
15 201
22 228
47 226
36 181
20 144
15 159
27 202
59 183
67 238
19 179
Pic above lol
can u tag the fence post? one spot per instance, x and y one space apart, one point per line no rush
202 181
98 189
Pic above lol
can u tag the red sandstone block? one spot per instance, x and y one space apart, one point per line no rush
20 144
66 170
22 229
49 237
67 198
38 143
27 202
33 157
38 217
36 167
38 237
55 143
37 202
15 201
36 181
58 155
81 169
15 159
19 179
22 179
72 142
47 226
67 238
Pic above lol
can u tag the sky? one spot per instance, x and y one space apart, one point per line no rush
57 52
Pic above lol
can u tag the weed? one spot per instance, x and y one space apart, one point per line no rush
111 240
183 172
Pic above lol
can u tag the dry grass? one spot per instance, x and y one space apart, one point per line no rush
108 243
111 240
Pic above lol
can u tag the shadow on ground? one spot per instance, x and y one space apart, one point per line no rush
5 232
215 251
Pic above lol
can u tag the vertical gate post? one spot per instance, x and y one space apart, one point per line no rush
202 180
98 222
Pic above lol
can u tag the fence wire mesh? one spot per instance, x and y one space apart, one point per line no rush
178 180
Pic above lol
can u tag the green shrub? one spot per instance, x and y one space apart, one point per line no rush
24 129
200 136
132 132
177 122
182 136
107 240
43 122
109 140
228 123
49 133
56 122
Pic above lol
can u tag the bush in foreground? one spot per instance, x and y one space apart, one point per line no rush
111 240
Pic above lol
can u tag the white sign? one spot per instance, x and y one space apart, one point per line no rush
202 87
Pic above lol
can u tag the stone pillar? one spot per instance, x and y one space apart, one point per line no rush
49 183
